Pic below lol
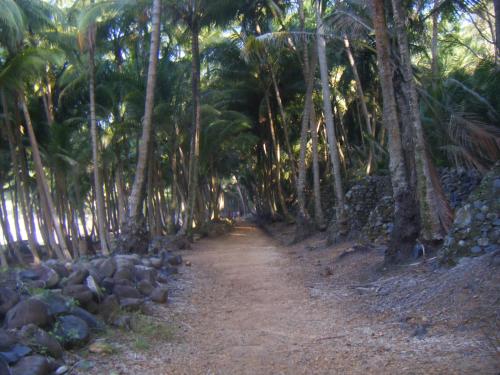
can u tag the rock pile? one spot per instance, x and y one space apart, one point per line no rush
56 306
363 198
476 228
458 183
380 220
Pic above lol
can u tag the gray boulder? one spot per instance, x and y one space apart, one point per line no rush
91 320
109 308
81 293
145 287
77 277
32 365
4 368
71 331
30 311
56 304
14 353
6 340
47 275
40 341
124 291
107 268
160 294
8 299
145 273
131 304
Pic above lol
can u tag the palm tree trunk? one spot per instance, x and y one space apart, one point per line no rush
136 198
405 229
17 168
435 213
277 162
101 214
63 252
328 112
308 71
175 200
15 210
434 43
319 217
285 128
496 4
4 214
196 128
362 102
120 192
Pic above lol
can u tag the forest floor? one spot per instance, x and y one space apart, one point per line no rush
249 305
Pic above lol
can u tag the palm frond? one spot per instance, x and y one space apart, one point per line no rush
12 24
31 62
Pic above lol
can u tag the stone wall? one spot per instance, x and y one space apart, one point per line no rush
370 204
476 228
458 183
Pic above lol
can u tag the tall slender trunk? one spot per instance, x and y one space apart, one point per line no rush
301 180
434 43
196 126
496 4
277 162
328 112
308 72
26 193
405 230
136 198
174 196
101 214
15 209
435 214
286 133
362 102
63 252
4 214
120 192
318 209
17 168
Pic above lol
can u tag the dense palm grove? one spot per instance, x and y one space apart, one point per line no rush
123 116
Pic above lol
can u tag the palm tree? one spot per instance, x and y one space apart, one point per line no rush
63 253
341 215
89 29
434 219
136 197
29 63
406 228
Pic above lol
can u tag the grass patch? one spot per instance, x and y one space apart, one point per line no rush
148 330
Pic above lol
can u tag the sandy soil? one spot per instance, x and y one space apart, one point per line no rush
250 306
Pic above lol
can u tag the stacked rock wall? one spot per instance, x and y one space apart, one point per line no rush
476 228
370 203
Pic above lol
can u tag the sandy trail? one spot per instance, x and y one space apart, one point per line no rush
250 308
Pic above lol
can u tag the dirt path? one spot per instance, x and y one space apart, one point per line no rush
249 308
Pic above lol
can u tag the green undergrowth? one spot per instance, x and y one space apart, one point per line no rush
144 331
149 330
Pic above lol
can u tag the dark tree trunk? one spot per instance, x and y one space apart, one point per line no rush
196 126
405 230
496 4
